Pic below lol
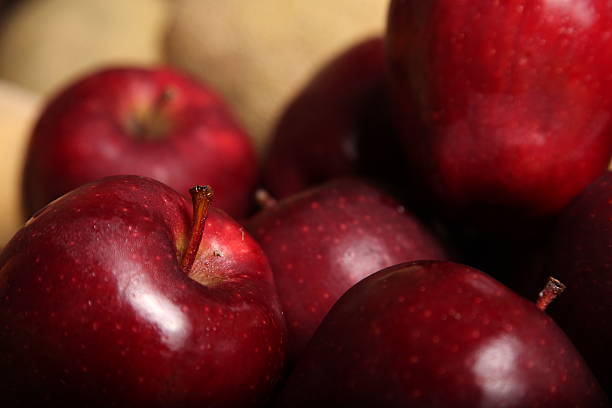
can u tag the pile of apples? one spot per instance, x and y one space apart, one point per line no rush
420 203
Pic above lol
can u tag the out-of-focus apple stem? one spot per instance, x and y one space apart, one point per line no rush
264 199
162 100
550 292
201 197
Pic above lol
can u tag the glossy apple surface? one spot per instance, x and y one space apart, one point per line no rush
96 309
324 240
512 98
338 125
581 256
150 122
438 334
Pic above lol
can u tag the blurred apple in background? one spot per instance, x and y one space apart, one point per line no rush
260 53
339 124
151 122
513 103
43 44
18 110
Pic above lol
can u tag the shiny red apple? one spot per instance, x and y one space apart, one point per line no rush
438 334
512 101
153 122
110 298
581 255
324 240
338 125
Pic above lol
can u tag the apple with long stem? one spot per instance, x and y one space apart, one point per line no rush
108 297
512 103
324 240
154 122
439 334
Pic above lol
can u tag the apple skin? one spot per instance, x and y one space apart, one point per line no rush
512 102
438 334
153 122
96 311
338 125
581 256
324 240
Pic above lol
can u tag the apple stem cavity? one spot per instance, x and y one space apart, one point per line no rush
162 100
201 197
550 292
152 123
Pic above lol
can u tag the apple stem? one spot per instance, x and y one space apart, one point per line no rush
152 123
264 199
162 100
201 197
550 292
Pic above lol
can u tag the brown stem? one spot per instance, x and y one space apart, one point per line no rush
162 100
152 123
201 197
264 199
550 292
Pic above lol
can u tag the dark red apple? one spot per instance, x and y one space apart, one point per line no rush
512 101
581 256
108 298
324 240
338 125
151 122
438 334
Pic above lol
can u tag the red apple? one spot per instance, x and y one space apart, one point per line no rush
438 334
151 122
324 240
512 98
581 255
338 125
108 298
